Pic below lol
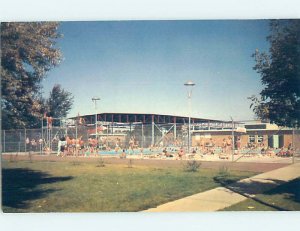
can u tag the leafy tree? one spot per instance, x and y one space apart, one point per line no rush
59 102
279 101
27 53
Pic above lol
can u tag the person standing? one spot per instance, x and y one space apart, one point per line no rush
238 143
224 145
228 144
62 143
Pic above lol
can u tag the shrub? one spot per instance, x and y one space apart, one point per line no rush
130 163
223 177
30 157
75 163
100 162
192 166
11 158
223 171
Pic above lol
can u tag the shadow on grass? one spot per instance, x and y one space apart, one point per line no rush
20 186
291 190
262 186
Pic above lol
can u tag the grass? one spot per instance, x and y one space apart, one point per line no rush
285 197
84 187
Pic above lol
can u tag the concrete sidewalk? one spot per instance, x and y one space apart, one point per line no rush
221 197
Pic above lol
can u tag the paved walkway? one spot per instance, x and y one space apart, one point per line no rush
222 197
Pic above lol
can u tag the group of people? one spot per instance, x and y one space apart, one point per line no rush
172 153
280 152
209 146
70 146
206 146
156 152
227 145
33 144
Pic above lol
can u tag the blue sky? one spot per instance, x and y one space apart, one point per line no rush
141 66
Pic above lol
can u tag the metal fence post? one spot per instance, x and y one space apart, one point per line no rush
232 139
20 138
142 135
293 146
175 131
25 139
152 134
42 135
4 141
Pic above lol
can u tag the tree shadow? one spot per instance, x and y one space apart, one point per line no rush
251 187
291 190
20 186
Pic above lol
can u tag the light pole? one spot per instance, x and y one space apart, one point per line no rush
189 84
94 99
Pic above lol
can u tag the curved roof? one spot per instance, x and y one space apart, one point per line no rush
143 118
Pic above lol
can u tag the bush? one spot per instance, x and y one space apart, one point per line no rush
192 166
223 171
100 163
75 163
223 177
130 163
30 157
11 159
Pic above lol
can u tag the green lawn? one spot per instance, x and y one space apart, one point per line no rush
86 187
285 197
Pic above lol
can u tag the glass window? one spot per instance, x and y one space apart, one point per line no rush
251 139
260 139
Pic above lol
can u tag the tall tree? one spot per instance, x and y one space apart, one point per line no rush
59 102
28 52
279 101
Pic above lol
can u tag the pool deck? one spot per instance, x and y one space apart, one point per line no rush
197 157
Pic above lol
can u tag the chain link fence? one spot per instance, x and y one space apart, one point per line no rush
296 145
282 142
108 135
35 140
139 135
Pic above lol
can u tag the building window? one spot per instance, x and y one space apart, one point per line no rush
251 139
260 139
